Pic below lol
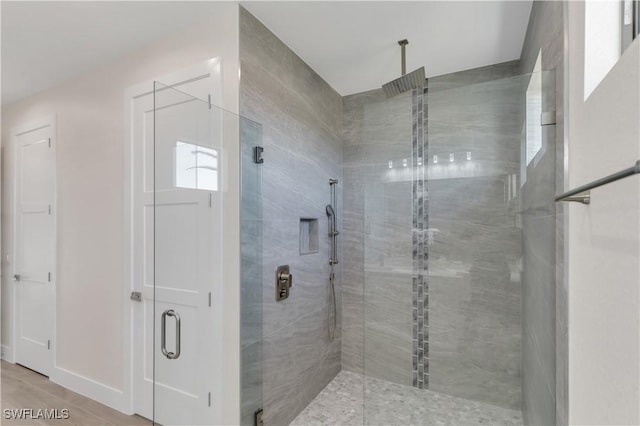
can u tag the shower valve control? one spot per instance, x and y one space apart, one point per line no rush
284 281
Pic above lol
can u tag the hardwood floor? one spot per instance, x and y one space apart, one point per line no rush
26 389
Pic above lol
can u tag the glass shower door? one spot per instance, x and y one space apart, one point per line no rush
186 259
459 252
251 232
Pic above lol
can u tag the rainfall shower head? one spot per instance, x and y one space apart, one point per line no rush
407 82
330 211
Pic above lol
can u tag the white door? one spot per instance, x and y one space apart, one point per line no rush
176 259
34 246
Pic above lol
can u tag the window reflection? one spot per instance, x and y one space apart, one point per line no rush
534 112
196 167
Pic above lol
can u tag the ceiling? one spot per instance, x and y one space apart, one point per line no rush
352 45
45 43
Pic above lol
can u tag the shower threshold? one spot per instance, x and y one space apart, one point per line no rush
389 404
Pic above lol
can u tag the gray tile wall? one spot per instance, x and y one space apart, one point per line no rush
545 328
474 259
302 138
377 236
474 306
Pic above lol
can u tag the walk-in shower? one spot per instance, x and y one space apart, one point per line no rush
444 222
436 305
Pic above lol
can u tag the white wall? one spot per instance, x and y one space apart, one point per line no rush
604 240
603 40
90 128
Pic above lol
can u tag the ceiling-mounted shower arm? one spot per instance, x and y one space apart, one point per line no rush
406 82
403 53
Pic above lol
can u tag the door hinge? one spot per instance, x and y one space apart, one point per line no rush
49 142
210 199
209 299
209 100
49 276
257 154
209 399
48 344
49 209
258 418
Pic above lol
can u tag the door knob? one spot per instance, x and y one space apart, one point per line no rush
16 277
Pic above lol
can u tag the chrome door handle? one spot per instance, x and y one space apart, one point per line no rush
163 334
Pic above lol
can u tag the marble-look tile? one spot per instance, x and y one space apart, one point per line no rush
251 382
474 276
539 319
544 30
388 345
351 400
478 201
539 289
496 102
539 190
280 378
376 130
473 224
545 340
251 281
352 329
474 76
298 362
474 341
306 98
562 326
301 117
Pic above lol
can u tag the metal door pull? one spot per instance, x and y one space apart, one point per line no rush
163 334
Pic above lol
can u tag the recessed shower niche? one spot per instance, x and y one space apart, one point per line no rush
308 235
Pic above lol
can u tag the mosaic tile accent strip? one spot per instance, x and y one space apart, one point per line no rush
420 157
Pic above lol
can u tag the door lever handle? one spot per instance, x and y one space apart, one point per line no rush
16 277
287 279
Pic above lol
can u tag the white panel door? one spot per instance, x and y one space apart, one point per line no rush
177 219
34 245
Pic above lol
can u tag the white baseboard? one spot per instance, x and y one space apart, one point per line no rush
104 394
6 354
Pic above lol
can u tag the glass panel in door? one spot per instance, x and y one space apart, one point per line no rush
185 209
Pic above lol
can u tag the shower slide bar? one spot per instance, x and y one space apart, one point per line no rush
333 231
333 257
582 194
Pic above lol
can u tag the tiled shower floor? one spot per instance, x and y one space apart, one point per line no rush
390 404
